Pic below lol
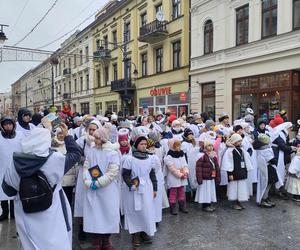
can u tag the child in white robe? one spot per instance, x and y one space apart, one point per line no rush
293 180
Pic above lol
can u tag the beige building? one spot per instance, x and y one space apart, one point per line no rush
245 54
156 36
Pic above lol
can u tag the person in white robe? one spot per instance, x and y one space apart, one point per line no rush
24 118
236 162
51 228
10 142
293 181
86 142
101 206
138 173
177 130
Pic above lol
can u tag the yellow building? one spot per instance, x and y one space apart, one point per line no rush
156 33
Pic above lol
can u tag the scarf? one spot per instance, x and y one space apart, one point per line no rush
140 155
176 154
124 149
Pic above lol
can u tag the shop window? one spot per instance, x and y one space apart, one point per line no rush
176 54
209 99
160 101
269 18
85 108
148 101
242 102
296 14
112 106
242 25
208 37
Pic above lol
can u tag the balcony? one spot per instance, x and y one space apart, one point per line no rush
67 96
102 54
119 86
153 32
67 72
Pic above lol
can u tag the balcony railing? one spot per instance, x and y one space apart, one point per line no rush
67 72
119 85
67 96
153 32
102 54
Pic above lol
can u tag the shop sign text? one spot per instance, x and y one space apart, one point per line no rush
161 91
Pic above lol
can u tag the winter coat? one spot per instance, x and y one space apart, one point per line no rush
205 167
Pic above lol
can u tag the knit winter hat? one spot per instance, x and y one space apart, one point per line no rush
102 134
175 123
187 132
77 119
235 138
277 121
263 138
95 122
150 143
123 135
138 132
209 123
172 118
138 140
207 143
250 111
260 121
223 116
155 136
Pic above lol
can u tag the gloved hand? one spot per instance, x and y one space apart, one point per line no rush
93 185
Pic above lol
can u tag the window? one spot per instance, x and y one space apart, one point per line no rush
176 8
98 78
69 63
209 99
75 63
242 25
158 8
115 71
144 64
75 85
115 38
56 70
85 108
64 64
98 107
86 54
59 69
70 87
127 32
269 18
208 37
65 87
159 60
129 68
296 14
176 54
80 57
87 78
97 44
106 72
143 19
81 83
105 41
112 106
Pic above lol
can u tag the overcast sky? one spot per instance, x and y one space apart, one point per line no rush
64 16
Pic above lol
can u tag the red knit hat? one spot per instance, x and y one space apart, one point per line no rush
277 121
172 118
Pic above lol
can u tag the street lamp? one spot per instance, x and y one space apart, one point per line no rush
3 37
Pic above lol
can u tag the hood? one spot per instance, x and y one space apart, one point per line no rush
27 164
38 142
21 113
6 134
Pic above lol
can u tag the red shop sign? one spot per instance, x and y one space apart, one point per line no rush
160 91
182 97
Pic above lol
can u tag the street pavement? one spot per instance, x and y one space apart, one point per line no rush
252 228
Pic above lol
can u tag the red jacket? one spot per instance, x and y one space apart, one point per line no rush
204 169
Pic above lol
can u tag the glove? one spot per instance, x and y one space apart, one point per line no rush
250 151
93 185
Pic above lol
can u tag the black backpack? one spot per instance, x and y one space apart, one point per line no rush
35 193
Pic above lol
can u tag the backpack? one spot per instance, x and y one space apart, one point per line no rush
35 193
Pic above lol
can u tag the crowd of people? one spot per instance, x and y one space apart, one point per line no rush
99 169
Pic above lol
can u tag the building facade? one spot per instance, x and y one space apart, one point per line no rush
5 103
245 53
16 97
156 36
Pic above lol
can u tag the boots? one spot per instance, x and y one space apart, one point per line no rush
106 244
182 207
4 206
145 238
136 242
81 234
173 209
98 242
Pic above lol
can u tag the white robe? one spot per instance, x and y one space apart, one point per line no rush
280 165
139 208
44 230
263 157
193 155
25 131
7 148
101 207
178 163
